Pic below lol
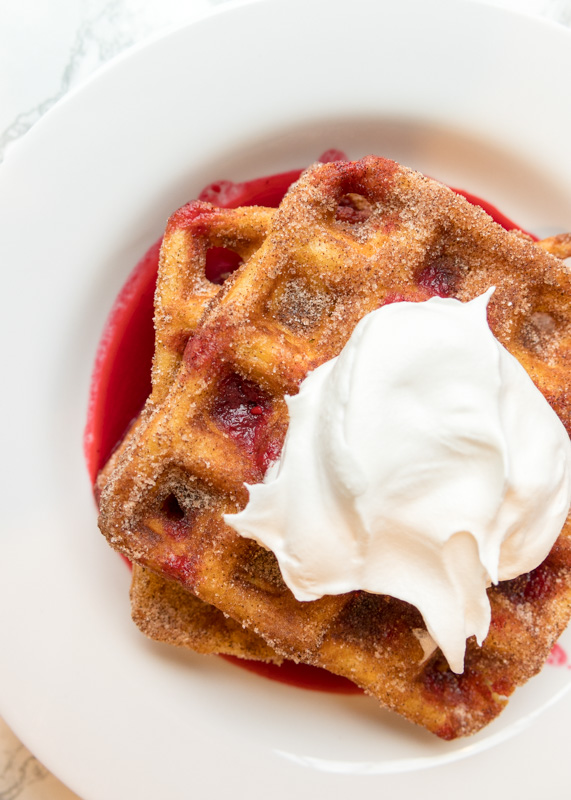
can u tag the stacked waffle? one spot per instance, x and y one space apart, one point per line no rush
347 238
163 609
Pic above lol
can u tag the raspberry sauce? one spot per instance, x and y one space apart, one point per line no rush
121 376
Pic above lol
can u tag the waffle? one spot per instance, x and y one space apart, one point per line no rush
183 291
162 609
347 238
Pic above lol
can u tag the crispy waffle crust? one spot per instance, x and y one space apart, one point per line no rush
348 238
183 291
166 612
162 608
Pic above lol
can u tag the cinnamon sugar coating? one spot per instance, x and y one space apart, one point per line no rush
348 237
161 608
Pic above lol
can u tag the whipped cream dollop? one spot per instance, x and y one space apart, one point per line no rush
421 463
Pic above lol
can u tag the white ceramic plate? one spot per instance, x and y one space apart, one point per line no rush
472 95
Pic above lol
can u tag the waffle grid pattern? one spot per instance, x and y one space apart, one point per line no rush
347 238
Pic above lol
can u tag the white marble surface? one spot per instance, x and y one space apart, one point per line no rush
48 48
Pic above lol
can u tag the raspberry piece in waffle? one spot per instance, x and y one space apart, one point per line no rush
347 238
163 609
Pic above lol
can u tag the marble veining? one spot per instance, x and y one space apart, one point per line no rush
22 776
104 32
20 769
107 28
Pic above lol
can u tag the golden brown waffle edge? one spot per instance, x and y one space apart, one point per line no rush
162 609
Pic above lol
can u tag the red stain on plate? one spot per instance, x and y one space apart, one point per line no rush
558 657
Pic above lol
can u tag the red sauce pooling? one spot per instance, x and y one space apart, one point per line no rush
121 376
121 379
304 676
496 215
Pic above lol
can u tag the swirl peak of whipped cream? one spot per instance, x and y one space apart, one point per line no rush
421 463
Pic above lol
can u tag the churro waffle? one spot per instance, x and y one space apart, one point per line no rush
162 609
347 238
